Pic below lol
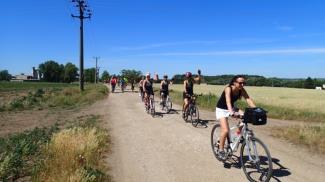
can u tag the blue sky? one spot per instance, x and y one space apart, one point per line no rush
281 38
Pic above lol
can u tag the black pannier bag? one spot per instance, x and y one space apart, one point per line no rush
256 116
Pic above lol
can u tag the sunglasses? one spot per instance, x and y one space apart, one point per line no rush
242 83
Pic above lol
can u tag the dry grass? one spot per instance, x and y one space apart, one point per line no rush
311 136
73 154
301 99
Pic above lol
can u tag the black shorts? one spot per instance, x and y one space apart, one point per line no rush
150 92
186 96
141 89
165 92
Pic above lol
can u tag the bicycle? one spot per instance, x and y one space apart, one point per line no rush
150 107
166 103
254 154
141 95
192 111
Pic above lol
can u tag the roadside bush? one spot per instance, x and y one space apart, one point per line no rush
16 104
32 99
82 149
19 152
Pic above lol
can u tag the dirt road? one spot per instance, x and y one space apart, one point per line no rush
165 148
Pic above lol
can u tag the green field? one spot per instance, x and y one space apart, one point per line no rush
282 103
40 95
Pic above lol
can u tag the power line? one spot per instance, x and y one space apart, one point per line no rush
83 9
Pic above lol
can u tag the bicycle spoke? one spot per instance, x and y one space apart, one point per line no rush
256 160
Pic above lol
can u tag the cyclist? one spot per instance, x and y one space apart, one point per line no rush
113 83
188 89
225 107
133 82
164 88
147 89
140 84
123 83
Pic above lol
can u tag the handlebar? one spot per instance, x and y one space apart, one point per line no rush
237 115
194 95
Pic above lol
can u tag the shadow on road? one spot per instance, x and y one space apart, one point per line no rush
279 170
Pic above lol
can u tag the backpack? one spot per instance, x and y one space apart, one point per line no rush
113 81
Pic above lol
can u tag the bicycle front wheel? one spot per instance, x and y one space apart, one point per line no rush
256 160
194 112
185 115
168 105
152 108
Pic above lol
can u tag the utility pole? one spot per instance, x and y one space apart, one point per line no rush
83 9
96 69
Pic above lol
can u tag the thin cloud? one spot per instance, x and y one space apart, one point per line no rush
157 45
306 35
285 28
242 52
201 42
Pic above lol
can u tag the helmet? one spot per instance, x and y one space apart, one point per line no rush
188 74
148 74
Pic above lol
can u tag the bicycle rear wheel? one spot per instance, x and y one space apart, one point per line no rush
185 115
152 108
256 160
168 105
215 143
195 117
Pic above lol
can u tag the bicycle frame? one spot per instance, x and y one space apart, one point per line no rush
191 103
151 101
247 135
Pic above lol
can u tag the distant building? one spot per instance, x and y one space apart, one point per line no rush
35 74
23 77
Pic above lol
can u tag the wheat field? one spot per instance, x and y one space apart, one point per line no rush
301 99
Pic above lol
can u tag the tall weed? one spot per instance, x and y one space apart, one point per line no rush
19 152
73 154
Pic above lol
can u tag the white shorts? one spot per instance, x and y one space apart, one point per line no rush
222 113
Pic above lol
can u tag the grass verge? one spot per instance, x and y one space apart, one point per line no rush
72 153
313 137
57 96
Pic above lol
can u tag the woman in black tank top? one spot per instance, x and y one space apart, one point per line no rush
164 84
188 89
225 106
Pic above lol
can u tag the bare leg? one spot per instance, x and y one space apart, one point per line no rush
185 105
224 131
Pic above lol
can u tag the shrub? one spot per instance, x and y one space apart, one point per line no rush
81 148
18 153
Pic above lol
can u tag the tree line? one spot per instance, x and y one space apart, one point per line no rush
51 71
256 80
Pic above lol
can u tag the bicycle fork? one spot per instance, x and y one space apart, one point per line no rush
250 145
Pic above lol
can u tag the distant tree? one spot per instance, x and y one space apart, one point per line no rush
131 75
309 83
51 71
89 75
105 76
70 73
4 75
